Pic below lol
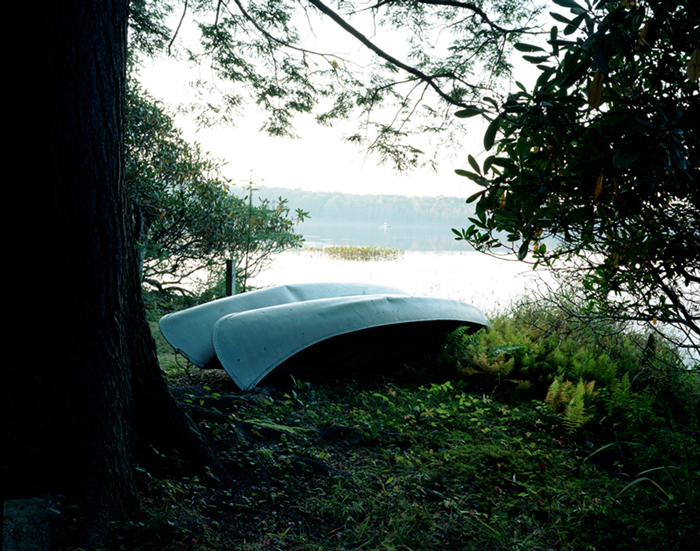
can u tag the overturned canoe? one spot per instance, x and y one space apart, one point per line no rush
334 332
189 331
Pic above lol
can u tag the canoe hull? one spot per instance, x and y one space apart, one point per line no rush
352 330
189 331
378 348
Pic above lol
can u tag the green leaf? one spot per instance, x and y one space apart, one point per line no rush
552 40
469 112
599 56
475 196
576 74
560 18
472 176
474 164
568 4
507 218
535 59
490 135
527 47
574 24
501 161
488 162
480 212
522 252
627 155
543 79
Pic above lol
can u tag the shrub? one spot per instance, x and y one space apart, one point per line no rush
562 354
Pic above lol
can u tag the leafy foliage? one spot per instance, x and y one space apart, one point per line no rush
595 171
566 361
186 217
373 209
260 51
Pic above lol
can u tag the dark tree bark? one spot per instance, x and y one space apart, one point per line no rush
68 405
83 371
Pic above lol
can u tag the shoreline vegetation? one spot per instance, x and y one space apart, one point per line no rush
335 207
546 431
355 253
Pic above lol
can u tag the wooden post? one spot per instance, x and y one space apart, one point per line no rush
230 277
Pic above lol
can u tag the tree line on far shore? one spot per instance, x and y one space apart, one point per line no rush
364 209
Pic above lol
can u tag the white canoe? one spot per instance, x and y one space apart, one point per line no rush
250 344
189 331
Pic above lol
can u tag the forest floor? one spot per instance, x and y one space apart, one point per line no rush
408 459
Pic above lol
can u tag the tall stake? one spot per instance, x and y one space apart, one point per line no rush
250 220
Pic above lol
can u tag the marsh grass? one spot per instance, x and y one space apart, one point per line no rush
355 253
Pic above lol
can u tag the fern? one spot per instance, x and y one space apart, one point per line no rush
557 393
493 353
620 393
578 400
577 412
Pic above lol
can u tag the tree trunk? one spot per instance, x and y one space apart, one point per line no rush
83 371
68 403
158 420
140 234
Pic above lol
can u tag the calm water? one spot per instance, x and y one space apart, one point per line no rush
487 283
434 264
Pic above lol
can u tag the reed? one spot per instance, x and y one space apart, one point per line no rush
364 254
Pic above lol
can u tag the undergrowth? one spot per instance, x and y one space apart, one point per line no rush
548 434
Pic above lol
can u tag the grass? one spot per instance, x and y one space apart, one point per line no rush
449 454
364 254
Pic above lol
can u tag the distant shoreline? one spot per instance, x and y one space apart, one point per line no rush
408 237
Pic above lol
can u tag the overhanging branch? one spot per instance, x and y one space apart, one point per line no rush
429 79
467 6
272 38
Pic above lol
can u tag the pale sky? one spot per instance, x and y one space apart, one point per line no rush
319 160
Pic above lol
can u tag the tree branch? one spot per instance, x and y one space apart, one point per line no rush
184 11
273 38
686 316
464 5
429 79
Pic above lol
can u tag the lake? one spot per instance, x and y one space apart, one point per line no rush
487 283
433 264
